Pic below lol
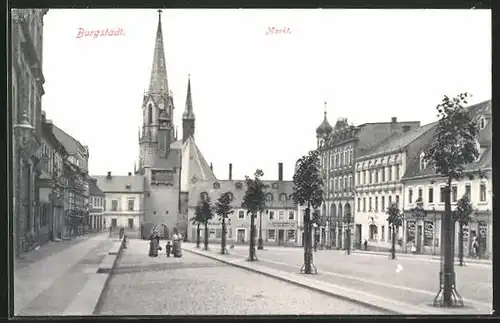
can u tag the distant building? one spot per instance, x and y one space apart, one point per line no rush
123 202
279 220
339 146
96 215
423 185
378 174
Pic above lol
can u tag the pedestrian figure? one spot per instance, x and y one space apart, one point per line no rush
168 248
365 244
153 246
413 248
475 248
176 242
315 245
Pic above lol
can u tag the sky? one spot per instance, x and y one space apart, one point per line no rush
257 96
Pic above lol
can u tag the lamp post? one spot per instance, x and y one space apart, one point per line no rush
260 245
434 233
348 231
23 134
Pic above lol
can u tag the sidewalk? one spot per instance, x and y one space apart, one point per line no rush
47 280
420 256
402 300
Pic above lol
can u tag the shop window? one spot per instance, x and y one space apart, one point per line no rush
291 235
271 234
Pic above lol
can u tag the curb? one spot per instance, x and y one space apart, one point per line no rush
390 307
90 297
420 257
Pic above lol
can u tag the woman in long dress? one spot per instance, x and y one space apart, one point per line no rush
176 243
153 245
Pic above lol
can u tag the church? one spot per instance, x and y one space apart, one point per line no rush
157 192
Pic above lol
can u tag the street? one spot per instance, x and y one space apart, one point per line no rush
194 285
414 281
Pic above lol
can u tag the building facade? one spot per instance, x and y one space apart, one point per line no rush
378 184
96 213
26 94
425 189
338 147
279 222
123 202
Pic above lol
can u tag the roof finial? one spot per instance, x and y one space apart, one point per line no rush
159 14
325 108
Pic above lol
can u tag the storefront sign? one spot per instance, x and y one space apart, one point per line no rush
410 230
428 233
283 224
482 229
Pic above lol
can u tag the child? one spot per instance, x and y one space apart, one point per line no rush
168 248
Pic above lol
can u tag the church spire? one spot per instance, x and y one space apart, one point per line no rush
188 112
158 83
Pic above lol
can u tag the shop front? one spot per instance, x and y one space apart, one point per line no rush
421 232
281 233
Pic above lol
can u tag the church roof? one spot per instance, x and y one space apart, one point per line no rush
158 82
194 166
188 112
120 184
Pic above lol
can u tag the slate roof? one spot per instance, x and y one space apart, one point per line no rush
94 189
485 140
118 184
285 187
397 141
70 144
371 134
194 166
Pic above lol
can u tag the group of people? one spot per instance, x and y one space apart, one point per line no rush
170 248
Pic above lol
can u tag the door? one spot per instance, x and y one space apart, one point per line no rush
113 223
131 223
302 242
241 236
281 237
358 236
419 238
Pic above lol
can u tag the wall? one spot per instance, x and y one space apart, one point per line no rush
122 214
159 200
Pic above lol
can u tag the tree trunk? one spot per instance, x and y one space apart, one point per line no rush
206 235
223 238
393 250
251 251
447 242
308 254
198 238
461 244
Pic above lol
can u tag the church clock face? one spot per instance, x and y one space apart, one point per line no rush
161 105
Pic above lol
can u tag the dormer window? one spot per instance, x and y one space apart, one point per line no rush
275 186
128 186
216 185
482 123
479 150
239 186
269 197
204 196
422 161
283 197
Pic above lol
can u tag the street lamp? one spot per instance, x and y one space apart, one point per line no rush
348 231
260 245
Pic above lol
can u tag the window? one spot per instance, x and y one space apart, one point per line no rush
291 215
482 123
383 233
271 215
345 183
269 197
397 176
241 214
389 174
290 235
383 203
335 184
410 195
113 223
114 205
376 203
216 185
359 204
390 200
364 177
281 215
204 196
422 161
397 201
239 186
364 204
376 176
283 197
454 193
150 114
271 234
431 195
441 194
130 205
420 193
212 232
369 204
218 233
370 177
467 190
383 174
130 223
482 192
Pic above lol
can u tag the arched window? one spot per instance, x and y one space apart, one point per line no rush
204 196
150 114
283 197
216 185
269 197
422 161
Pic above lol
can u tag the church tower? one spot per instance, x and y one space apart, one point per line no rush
157 132
188 115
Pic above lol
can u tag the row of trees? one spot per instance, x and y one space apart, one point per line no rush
453 148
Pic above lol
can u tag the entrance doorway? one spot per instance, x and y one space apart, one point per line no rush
240 234
302 244
358 236
281 237
419 238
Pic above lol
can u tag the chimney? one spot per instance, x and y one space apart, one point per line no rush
230 172
280 172
129 174
211 167
109 175
394 120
